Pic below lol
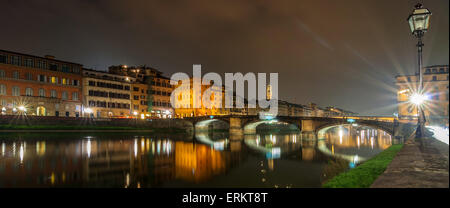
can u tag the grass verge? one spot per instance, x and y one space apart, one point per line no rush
365 174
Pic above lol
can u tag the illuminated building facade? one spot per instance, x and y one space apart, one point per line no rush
139 102
184 104
312 110
41 86
333 111
151 91
106 95
161 91
435 85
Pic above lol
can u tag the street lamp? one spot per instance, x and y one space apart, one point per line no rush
419 22
22 108
418 99
88 110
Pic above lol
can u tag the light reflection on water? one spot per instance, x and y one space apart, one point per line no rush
209 160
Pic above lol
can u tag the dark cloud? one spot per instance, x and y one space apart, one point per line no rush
343 53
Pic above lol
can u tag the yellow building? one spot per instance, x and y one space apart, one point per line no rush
185 108
161 91
435 86
106 95
139 102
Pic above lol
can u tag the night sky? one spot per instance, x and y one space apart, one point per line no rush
342 53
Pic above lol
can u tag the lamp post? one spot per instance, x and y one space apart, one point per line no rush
419 22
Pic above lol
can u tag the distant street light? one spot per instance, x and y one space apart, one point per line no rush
22 108
88 110
419 22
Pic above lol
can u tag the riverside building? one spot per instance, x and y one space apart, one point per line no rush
150 93
41 86
106 95
435 85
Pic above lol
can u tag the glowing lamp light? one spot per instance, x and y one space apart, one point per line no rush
351 165
135 113
88 110
22 108
403 91
418 99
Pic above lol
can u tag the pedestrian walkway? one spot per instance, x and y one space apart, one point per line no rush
422 163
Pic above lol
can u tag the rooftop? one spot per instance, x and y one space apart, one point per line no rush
40 57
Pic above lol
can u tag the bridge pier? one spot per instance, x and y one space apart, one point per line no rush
236 127
308 126
236 137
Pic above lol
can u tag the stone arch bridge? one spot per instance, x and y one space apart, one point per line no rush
246 124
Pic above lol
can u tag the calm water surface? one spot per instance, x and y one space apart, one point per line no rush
208 160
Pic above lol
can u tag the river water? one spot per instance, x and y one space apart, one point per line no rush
127 160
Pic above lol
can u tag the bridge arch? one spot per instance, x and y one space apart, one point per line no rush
250 127
322 129
210 124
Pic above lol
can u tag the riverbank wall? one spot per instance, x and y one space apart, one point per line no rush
92 123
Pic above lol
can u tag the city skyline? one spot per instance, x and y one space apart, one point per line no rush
225 96
353 42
